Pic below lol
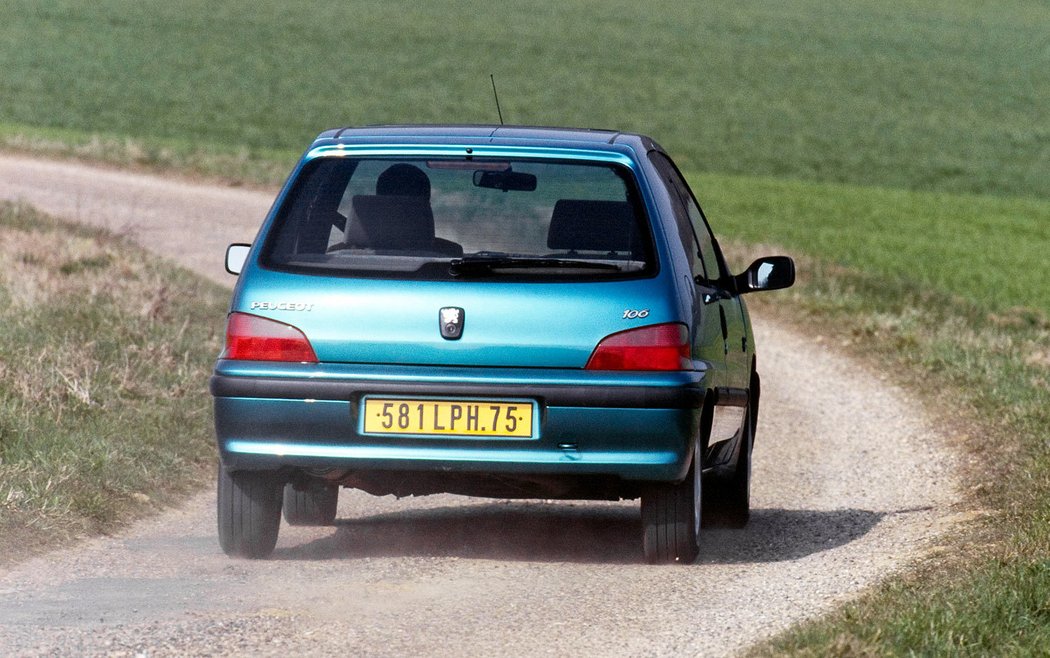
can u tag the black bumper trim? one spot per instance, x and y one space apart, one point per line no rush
629 397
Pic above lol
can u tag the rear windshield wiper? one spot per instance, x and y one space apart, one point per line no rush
469 264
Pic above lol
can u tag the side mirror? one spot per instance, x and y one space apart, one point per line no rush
236 254
769 273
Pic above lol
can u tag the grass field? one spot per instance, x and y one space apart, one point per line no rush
944 95
901 151
988 250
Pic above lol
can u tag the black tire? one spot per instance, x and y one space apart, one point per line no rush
728 499
314 506
671 519
249 512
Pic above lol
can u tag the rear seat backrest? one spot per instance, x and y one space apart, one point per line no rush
585 225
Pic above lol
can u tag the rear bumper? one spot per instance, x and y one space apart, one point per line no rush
635 427
565 395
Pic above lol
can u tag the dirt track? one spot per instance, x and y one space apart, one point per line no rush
851 482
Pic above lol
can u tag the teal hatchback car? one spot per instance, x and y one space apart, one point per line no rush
491 311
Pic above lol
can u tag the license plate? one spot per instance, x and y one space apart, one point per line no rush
494 418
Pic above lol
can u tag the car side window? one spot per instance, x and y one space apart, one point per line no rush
686 234
693 230
707 241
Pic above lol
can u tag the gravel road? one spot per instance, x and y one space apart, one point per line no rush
851 482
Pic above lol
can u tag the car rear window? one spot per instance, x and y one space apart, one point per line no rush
447 218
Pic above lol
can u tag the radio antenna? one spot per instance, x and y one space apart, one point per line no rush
496 95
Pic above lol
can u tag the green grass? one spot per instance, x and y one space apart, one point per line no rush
991 251
104 361
942 95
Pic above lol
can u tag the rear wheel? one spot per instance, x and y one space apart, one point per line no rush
671 519
311 506
249 512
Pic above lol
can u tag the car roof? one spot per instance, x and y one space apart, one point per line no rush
551 137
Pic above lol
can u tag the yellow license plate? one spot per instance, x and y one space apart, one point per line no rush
496 418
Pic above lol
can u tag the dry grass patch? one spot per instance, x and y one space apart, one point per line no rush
104 359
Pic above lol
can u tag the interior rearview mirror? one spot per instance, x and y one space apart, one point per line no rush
768 273
505 180
236 254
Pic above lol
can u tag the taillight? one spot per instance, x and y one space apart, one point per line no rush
252 338
656 347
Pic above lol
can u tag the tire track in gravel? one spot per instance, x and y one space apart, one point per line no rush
850 483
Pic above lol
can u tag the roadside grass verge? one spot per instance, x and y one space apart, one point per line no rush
948 296
986 377
104 360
